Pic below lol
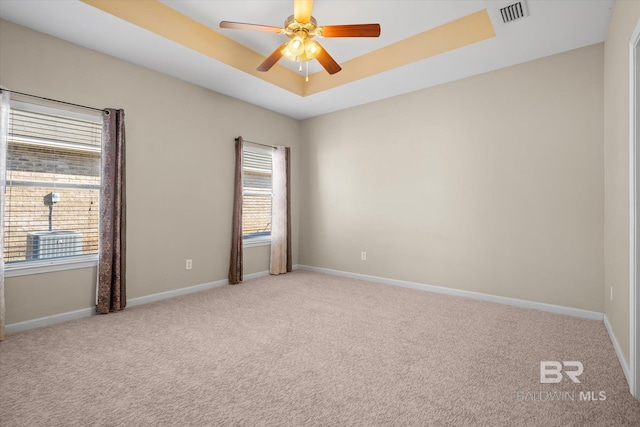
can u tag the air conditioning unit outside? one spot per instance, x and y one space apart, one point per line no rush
53 244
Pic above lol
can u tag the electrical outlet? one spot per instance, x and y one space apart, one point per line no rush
363 256
611 293
189 264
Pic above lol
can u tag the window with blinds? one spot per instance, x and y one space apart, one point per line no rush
256 194
53 185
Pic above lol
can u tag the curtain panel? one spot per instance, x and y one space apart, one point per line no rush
288 184
235 262
4 130
281 213
112 264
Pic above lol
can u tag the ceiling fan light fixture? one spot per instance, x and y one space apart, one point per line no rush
311 49
286 52
308 50
296 45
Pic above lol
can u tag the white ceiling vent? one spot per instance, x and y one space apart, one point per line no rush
513 11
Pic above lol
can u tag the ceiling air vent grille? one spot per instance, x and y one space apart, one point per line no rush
513 11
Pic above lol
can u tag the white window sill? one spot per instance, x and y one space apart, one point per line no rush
258 241
46 266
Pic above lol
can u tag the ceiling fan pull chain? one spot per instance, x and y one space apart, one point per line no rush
307 79
300 68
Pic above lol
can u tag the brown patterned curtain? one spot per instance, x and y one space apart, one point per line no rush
235 263
111 269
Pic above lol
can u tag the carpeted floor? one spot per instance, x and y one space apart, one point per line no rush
310 349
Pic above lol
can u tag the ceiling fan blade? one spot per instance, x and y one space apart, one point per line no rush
272 59
302 10
327 61
252 27
356 30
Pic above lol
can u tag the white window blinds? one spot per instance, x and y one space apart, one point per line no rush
256 195
53 184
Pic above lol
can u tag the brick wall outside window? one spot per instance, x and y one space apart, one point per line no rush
77 210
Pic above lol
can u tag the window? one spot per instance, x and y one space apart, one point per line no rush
256 196
53 188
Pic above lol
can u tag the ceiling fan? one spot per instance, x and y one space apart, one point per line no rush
301 27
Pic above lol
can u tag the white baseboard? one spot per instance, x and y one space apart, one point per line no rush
90 311
263 273
558 309
616 346
255 275
50 320
86 312
175 292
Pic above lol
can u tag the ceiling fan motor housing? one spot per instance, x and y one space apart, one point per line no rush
293 27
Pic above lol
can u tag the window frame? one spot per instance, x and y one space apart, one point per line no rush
249 242
52 264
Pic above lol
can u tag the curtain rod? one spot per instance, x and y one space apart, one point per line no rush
52 100
257 143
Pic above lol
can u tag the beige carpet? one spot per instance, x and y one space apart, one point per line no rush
309 349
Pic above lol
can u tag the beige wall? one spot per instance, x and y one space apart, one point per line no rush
491 184
179 168
616 161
